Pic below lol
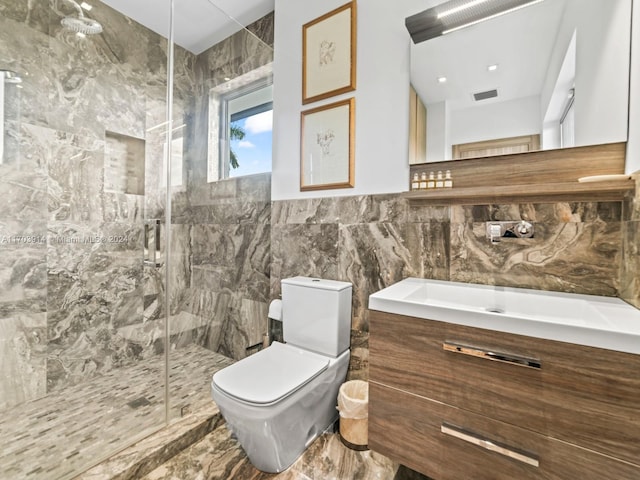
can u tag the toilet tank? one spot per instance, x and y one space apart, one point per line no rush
316 314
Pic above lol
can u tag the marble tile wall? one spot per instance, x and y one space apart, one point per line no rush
360 239
75 299
221 230
629 277
374 241
226 263
72 284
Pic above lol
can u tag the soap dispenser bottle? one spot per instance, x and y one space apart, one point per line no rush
448 181
415 183
431 183
423 181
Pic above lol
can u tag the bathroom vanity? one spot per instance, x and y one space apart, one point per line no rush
474 381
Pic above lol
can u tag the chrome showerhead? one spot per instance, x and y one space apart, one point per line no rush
10 76
81 25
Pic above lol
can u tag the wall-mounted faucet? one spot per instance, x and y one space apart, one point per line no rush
511 229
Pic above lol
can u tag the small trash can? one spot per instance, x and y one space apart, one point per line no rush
353 405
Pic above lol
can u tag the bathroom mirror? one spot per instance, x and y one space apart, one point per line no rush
551 75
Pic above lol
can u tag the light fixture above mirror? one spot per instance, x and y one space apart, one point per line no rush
454 15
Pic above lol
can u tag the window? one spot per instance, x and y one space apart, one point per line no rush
567 123
245 127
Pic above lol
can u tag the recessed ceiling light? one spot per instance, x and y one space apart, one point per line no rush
86 6
492 68
442 79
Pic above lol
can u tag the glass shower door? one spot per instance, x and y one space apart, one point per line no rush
131 269
82 327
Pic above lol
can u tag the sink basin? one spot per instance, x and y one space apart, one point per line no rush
591 320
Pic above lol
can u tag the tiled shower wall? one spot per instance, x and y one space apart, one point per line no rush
72 307
221 251
221 283
374 241
67 295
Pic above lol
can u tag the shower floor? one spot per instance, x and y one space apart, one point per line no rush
56 436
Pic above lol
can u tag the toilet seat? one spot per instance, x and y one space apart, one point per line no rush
271 374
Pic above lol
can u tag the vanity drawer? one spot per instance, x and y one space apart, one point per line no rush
445 443
407 353
583 395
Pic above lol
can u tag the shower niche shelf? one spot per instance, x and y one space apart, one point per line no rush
124 164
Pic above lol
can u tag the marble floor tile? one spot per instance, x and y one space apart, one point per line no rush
218 456
56 436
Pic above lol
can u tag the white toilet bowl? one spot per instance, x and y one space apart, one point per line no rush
279 400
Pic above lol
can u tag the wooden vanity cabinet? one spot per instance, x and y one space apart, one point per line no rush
460 402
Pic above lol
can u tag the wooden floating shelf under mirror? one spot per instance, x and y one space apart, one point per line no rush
535 176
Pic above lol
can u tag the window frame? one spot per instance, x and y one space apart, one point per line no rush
226 119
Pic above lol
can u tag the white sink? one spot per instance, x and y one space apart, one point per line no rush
590 320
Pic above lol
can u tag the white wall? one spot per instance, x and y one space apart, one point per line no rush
446 127
633 147
438 145
601 91
602 82
382 98
512 118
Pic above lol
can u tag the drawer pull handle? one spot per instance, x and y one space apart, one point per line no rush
457 432
489 355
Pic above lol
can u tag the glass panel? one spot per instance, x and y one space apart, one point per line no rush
81 329
95 290
219 254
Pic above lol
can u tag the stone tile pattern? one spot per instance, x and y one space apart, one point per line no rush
74 310
56 436
66 295
221 259
218 456
375 241
71 308
629 277
220 252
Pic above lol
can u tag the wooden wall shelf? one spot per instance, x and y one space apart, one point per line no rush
601 191
548 175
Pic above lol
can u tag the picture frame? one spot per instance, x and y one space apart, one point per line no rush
329 54
327 146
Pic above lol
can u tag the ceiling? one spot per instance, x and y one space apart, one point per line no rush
461 57
520 43
199 24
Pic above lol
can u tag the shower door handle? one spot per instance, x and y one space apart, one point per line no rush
152 254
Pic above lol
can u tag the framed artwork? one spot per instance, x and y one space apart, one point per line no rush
327 146
329 54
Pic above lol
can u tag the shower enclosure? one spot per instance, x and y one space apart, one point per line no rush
113 307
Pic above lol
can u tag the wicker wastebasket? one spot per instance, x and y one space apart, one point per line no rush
353 405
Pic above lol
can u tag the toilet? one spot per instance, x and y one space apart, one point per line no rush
280 399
